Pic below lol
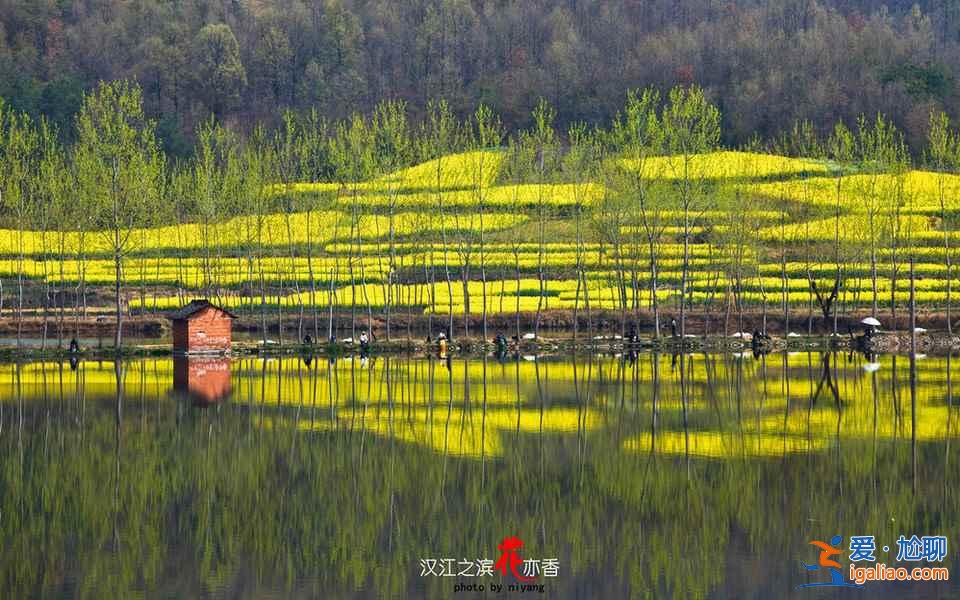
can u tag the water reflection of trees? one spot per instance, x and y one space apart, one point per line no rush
644 474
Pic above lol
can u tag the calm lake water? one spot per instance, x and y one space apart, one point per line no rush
644 476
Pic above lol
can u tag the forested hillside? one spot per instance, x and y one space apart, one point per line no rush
766 64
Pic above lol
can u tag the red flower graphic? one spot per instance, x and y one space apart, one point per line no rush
510 557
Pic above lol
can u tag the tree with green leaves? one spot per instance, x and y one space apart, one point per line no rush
900 200
211 167
801 141
440 135
20 145
944 156
542 145
487 135
314 163
254 176
180 196
219 74
691 126
875 151
287 149
612 220
517 164
119 165
352 152
638 135
392 151
840 149
580 166
53 214
734 238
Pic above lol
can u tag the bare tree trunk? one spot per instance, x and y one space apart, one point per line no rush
894 268
873 275
391 269
20 292
363 282
913 313
118 273
685 269
334 278
280 309
330 298
46 284
836 243
81 300
483 274
578 272
726 314
516 258
350 264
784 282
312 275
62 299
446 275
293 274
947 262
263 285
540 253
654 276
428 288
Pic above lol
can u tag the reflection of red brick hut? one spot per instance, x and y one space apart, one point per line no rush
205 380
202 327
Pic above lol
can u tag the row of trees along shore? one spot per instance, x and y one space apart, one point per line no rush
109 187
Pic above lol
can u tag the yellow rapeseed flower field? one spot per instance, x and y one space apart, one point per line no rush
393 240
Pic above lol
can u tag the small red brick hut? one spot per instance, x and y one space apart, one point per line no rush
202 327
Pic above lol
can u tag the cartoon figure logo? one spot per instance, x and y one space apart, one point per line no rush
826 551
510 559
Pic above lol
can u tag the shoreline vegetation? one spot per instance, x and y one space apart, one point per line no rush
151 338
644 226
936 345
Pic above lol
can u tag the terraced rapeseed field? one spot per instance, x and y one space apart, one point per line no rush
460 235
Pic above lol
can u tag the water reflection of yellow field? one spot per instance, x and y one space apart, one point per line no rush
731 405
805 404
716 444
803 430
451 431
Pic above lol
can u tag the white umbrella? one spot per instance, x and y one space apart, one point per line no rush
871 321
870 367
